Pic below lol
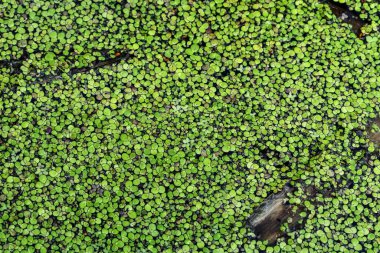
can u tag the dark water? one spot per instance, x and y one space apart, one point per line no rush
348 16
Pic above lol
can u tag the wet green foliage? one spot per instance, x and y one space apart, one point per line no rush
170 149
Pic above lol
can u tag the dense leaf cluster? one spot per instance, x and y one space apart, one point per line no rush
218 105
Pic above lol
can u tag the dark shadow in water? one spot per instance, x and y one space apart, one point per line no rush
348 16
275 211
15 65
99 64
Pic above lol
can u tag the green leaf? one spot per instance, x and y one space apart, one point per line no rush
376 170
43 179
190 188
132 214
226 148
50 57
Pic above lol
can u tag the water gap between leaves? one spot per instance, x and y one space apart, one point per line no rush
15 65
276 211
268 218
348 16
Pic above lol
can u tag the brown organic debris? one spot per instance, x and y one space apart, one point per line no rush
373 133
270 215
